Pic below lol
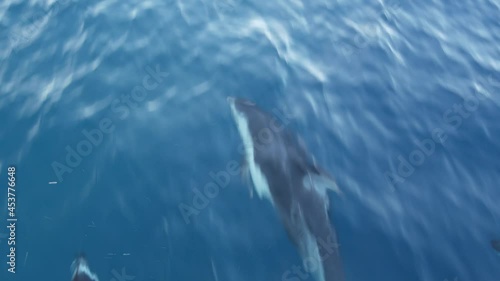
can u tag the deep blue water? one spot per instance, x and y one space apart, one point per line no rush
366 84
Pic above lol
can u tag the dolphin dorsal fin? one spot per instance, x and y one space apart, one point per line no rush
325 181
321 179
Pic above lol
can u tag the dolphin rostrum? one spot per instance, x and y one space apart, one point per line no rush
283 172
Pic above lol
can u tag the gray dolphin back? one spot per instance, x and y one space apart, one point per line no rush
286 165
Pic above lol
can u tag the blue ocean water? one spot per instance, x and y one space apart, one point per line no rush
397 99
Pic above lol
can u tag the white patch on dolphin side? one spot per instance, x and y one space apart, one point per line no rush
258 178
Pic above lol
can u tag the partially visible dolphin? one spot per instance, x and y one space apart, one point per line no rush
81 270
283 172
496 245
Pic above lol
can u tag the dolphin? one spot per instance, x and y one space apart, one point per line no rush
283 172
496 245
81 270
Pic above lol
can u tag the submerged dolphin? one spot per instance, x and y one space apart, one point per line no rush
496 245
283 172
81 270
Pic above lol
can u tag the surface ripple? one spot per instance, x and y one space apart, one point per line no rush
397 99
